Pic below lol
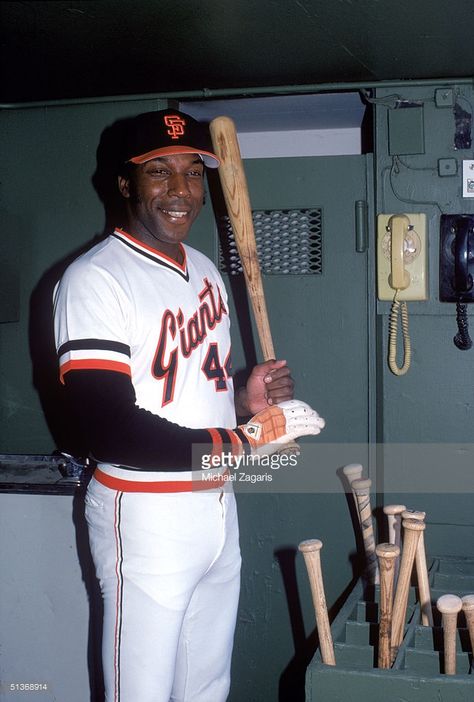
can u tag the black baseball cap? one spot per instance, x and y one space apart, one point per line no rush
167 132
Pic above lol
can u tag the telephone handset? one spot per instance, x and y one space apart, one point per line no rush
456 270
399 278
402 275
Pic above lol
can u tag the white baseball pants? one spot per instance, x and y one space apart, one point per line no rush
169 571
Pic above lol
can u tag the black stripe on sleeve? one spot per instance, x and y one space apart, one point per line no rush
244 440
224 436
102 344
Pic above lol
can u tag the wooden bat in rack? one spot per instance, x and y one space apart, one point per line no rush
387 555
311 551
449 606
412 529
361 489
353 471
237 200
468 609
422 571
394 521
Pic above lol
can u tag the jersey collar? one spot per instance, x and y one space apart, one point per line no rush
151 253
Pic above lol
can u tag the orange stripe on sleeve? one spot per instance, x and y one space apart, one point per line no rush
93 364
235 443
216 442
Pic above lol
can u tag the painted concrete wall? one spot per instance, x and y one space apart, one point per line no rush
432 405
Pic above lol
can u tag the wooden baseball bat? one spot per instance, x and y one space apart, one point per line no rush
237 200
424 590
449 606
468 609
235 190
353 471
394 522
362 492
412 528
311 552
387 555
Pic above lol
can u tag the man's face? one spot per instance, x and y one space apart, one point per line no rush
164 197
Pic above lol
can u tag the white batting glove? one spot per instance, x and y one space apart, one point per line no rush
281 424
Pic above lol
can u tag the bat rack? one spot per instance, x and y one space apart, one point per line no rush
417 673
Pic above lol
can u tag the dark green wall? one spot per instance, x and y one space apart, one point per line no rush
50 209
431 407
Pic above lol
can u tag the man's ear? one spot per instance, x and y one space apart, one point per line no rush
124 186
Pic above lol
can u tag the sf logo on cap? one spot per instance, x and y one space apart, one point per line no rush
176 126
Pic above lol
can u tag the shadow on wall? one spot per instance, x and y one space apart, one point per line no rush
41 332
292 679
51 392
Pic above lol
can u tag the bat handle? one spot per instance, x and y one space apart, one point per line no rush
353 471
311 553
449 606
362 492
468 609
394 523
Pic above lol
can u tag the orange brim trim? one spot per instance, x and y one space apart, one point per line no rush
157 485
171 150
93 365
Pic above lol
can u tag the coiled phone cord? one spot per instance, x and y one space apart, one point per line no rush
462 339
398 307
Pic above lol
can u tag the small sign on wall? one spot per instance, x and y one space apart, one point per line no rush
468 178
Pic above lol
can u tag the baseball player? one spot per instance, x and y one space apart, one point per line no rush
142 335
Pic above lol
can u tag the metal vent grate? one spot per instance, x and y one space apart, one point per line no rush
288 242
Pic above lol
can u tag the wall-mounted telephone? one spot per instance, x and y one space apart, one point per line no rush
402 274
456 269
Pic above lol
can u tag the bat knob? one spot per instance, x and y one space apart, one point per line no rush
413 525
468 602
449 604
394 509
387 551
362 484
353 469
413 514
290 449
310 545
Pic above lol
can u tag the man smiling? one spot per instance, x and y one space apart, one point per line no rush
143 342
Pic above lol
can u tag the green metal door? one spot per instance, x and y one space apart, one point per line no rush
320 320
321 325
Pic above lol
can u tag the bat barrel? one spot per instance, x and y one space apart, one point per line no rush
387 555
412 528
422 571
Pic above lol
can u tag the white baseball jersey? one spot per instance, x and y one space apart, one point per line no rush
126 307
164 553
